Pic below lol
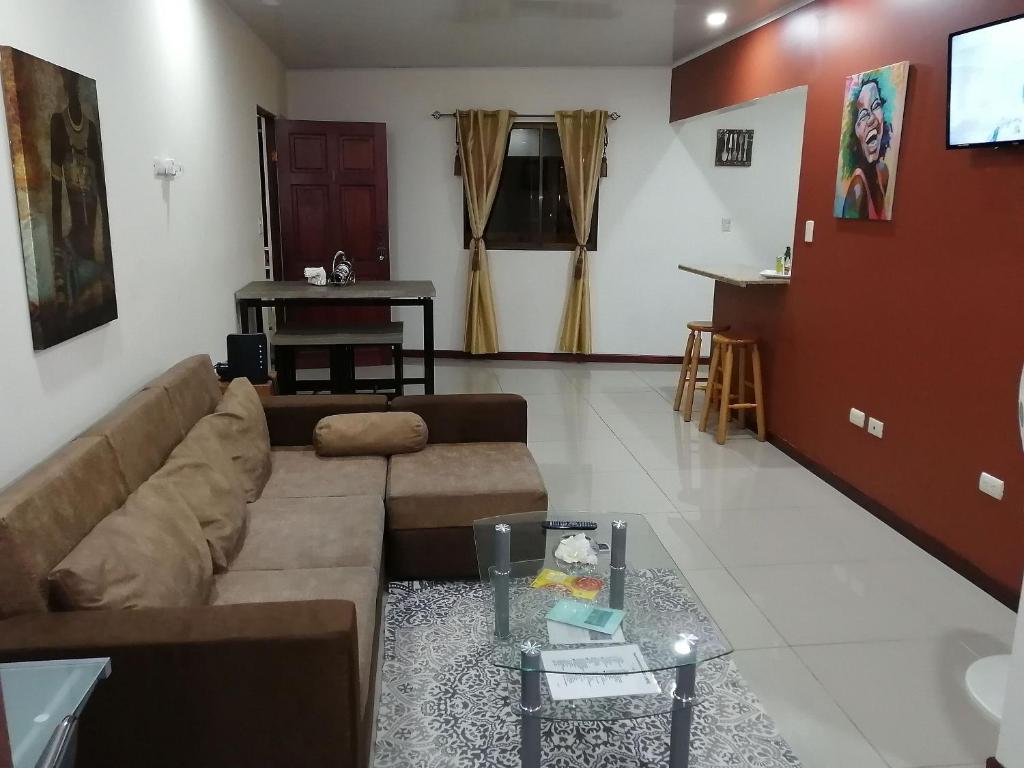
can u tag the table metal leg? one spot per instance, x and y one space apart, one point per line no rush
682 716
428 346
529 705
396 354
243 316
617 596
500 575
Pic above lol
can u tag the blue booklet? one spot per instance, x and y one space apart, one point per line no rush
586 615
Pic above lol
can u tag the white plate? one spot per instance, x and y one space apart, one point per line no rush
772 274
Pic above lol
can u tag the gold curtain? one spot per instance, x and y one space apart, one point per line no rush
581 134
483 137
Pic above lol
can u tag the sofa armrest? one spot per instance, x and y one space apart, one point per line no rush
268 684
469 418
291 418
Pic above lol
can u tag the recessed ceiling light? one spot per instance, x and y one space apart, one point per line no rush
717 18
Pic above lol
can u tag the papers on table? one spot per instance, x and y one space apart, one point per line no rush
591 673
564 634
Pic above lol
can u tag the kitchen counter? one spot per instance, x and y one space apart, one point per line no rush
740 275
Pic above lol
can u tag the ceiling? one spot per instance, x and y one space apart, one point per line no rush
509 33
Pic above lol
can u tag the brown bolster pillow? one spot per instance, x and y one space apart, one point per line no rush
369 434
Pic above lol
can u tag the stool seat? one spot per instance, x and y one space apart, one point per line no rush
729 338
328 336
706 326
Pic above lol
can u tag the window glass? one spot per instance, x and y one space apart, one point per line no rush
531 209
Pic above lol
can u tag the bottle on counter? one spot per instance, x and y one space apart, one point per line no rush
780 264
787 262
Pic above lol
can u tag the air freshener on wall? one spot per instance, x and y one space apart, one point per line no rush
734 148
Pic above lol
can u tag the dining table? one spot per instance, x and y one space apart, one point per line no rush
251 298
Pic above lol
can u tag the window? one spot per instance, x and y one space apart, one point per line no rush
531 210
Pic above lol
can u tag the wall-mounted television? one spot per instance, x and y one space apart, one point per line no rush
986 85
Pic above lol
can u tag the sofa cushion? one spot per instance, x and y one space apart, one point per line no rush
242 426
143 431
359 585
330 532
200 473
149 554
192 388
46 512
300 473
453 484
369 434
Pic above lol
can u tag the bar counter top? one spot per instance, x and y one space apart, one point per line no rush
739 275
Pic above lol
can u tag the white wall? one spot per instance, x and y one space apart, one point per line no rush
177 77
1011 731
661 204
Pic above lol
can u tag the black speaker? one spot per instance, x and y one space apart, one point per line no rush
247 356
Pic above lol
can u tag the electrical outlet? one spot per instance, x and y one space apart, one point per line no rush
993 486
876 427
857 417
727 225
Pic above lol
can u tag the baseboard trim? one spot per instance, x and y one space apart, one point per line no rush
926 541
993 763
564 357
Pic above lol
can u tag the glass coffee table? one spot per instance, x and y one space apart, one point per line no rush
648 667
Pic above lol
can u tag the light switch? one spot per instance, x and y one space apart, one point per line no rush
993 486
727 225
809 232
857 417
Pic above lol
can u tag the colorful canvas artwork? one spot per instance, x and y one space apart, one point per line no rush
54 128
869 145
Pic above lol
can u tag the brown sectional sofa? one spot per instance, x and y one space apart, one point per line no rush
278 668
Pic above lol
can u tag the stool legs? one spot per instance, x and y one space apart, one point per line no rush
684 371
726 396
709 393
755 357
741 386
694 366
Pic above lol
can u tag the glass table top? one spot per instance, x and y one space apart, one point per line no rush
38 695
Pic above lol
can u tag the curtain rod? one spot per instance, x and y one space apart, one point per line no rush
438 115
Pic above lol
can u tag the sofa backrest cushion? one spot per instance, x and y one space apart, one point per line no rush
143 431
201 472
242 427
192 388
47 512
151 553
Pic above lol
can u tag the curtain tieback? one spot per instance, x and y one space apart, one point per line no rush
475 244
577 271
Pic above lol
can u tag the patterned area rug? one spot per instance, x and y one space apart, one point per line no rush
445 705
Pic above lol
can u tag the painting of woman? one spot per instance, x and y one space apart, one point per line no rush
870 143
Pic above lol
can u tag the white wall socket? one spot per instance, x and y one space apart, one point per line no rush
876 427
809 232
993 486
727 225
857 417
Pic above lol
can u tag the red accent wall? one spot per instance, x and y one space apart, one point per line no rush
919 321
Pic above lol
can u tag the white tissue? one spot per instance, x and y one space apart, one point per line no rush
576 549
315 275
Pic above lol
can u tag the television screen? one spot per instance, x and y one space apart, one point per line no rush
986 85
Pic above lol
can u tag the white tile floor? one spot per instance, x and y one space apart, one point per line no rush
855 640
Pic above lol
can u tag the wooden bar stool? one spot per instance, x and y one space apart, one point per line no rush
730 353
688 383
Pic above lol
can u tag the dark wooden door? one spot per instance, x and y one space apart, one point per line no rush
333 186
